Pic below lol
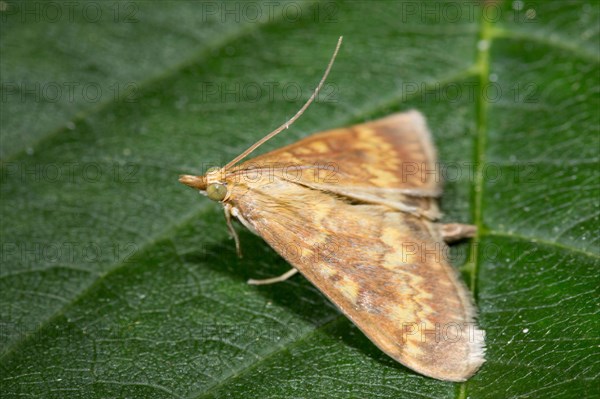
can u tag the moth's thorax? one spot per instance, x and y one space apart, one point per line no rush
215 175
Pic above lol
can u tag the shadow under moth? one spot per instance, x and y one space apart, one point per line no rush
355 211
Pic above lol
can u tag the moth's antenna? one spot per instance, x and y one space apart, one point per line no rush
293 118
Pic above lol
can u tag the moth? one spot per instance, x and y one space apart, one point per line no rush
355 211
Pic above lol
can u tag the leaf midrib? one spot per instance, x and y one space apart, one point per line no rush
488 33
482 66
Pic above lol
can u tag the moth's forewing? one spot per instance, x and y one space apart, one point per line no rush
395 152
385 269
391 160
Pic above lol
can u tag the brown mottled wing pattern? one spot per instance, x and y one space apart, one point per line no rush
383 267
390 161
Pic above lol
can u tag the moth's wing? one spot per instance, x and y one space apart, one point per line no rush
384 269
395 152
391 161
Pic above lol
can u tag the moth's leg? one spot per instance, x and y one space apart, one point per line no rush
421 192
227 209
429 214
272 280
236 213
231 210
453 232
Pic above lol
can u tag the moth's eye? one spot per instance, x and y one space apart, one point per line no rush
216 191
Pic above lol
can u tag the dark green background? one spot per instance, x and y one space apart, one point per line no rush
117 281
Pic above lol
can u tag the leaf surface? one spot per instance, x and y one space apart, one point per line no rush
117 281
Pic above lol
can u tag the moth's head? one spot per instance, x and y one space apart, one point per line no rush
212 184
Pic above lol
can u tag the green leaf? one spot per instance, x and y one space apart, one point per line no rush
117 281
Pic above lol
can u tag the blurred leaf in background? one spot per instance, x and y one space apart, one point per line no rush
116 281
